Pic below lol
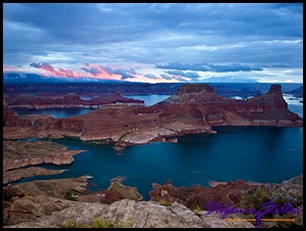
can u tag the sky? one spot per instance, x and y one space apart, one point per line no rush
155 42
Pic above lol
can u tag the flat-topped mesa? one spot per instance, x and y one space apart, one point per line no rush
70 101
195 88
193 94
71 98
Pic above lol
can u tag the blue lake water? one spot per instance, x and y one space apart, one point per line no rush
294 104
55 112
148 99
260 154
298 109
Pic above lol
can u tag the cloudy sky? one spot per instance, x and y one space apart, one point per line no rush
155 42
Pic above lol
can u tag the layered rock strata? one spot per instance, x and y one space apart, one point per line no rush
42 212
17 174
194 108
41 204
21 154
68 101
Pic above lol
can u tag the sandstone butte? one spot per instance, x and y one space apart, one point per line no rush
194 108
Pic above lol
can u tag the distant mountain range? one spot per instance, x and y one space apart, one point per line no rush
297 92
225 86
19 77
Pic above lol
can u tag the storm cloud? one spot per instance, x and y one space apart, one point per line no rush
205 67
132 38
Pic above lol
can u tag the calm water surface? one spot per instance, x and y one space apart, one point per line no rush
148 99
260 154
55 112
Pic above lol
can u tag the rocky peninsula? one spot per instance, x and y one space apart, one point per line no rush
21 154
18 174
17 155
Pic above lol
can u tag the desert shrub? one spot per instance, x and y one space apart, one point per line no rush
69 224
100 223
70 194
258 199
164 202
197 209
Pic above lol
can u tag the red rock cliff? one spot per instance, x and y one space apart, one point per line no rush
194 108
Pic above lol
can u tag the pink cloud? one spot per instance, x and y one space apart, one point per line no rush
8 68
100 72
59 72
90 71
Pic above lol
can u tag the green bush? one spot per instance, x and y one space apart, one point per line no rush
258 199
99 223
164 202
96 223
70 194
197 209
69 224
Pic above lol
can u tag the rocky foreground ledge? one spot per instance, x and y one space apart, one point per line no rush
194 108
121 214
42 204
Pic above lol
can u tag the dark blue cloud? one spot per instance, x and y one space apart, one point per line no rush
42 65
165 76
184 74
91 70
151 76
183 66
124 73
233 68
205 67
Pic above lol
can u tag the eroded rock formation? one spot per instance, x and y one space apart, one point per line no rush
41 204
21 154
68 101
41 211
238 194
17 174
194 108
